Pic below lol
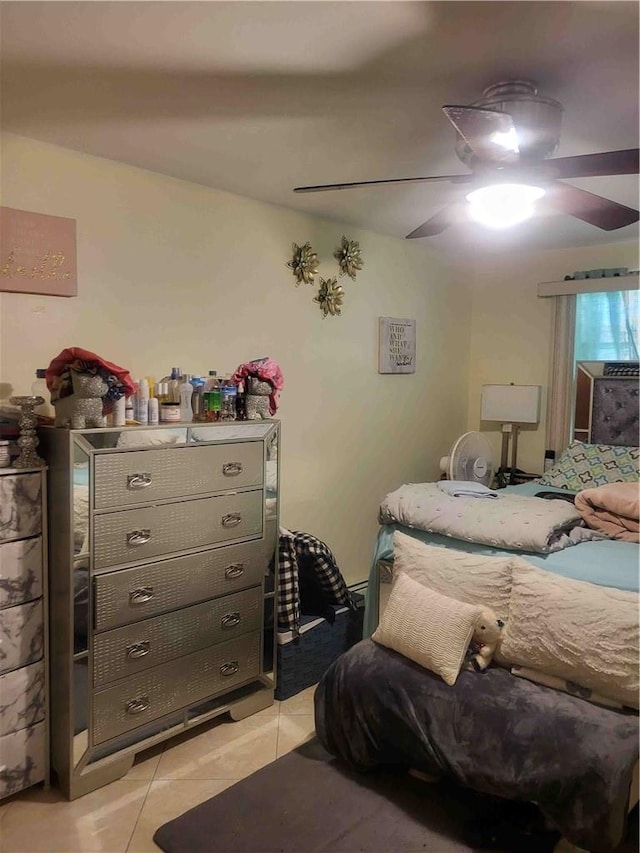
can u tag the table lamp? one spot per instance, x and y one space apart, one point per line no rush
511 405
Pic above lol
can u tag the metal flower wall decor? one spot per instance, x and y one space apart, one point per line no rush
330 297
348 257
304 263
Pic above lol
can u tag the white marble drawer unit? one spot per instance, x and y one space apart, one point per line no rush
164 550
23 641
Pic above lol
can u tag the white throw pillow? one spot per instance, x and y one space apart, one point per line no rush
473 578
574 630
426 627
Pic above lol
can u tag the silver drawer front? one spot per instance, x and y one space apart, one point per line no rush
137 535
125 651
133 594
164 689
144 476
20 571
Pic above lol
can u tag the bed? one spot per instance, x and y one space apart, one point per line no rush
601 561
515 737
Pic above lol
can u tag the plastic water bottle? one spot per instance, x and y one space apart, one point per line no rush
228 402
186 390
197 398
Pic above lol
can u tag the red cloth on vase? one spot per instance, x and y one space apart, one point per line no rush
58 376
266 370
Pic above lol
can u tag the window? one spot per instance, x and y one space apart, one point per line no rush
607 326
588 327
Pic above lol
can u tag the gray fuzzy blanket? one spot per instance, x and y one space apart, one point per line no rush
491 732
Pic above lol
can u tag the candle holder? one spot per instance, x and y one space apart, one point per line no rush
28 440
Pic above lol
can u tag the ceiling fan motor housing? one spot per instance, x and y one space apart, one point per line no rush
537 120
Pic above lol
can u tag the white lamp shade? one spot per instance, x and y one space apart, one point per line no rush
514 404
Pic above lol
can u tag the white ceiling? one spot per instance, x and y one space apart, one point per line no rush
259 97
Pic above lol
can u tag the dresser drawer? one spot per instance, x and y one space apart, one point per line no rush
133 594
22 698
21 759
125 651
145 697
20 571
137 535
20 506
21 635
144 476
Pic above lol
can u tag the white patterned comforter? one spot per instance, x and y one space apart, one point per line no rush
511 522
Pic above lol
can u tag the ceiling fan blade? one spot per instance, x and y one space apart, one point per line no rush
452 214
456 179
595 165
601 212
491 134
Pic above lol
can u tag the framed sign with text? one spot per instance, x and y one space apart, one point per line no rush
396 345
38 253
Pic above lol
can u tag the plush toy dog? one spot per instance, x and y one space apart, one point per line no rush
83 408
484 641
257 398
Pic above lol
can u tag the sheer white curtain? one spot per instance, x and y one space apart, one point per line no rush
561 373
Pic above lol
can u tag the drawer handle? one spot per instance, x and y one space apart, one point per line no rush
139 537
137 706
138 481
230 668
232 469
231 620
232 519
141 595
234 571
138 650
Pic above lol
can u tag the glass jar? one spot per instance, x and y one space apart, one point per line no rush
169 413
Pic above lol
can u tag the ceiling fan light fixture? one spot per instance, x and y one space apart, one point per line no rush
503 205
507 140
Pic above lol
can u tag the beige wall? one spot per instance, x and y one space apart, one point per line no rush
172 273
511 327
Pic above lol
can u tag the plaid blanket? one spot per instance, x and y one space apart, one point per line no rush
293 546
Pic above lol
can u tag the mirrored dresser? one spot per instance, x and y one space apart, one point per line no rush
163 562
23 634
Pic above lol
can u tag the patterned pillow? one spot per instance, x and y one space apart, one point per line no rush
585 466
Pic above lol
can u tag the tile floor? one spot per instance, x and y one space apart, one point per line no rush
163 783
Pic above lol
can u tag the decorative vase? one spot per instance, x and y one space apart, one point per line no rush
28 440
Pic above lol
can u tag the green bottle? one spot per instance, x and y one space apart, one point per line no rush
212 397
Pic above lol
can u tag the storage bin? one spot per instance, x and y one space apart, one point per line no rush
302 661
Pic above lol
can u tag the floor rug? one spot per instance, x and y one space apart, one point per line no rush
307 802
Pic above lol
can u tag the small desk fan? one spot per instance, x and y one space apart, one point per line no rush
469 459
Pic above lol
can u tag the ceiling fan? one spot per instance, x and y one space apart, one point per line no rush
505 139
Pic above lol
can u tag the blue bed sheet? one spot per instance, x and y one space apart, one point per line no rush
605 562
